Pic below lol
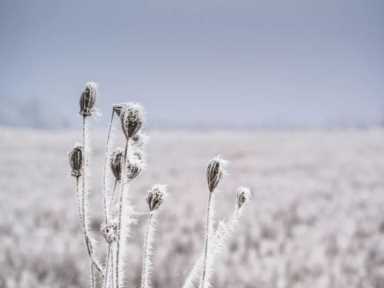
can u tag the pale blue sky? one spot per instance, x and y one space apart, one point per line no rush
202 63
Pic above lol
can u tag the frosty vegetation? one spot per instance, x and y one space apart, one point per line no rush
316 218
122 166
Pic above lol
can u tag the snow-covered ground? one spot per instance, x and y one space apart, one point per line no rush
316 219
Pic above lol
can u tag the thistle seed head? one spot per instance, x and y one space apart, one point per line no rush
132 118
88 99
215 171
243 194
116 163
156 196
134 167
110 232
76 160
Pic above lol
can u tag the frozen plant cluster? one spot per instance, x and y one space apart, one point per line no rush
122 166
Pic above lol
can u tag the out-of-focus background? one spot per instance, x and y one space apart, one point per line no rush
200 64
290 92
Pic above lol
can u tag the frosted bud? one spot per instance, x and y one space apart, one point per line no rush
76 160
134 167
116 163
132 118
243 194
215 171
88 99
156 196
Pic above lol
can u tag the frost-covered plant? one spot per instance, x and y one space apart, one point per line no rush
121 167
215 172
203 268
155 198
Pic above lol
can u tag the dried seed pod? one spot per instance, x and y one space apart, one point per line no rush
215 171
134 167
110 232
243 194
156 196
132 118
76 160
116 163
88 99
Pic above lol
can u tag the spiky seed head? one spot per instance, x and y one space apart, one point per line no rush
110 232
134 167
88 99
76 160
132 118
215 171
243 194
156 196
116 163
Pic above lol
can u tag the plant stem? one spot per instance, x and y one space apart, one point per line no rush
107 279
207 236
107 202
114 267
106 162
118 239
124 181
114 191
83 199
221 236
110 258
147 252
93 280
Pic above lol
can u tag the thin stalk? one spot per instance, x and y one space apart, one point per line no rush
107 279
81 215
107 202
123 184
114 191
147 252
207 236
83 198
126 221
118 239
93 278
109 259
114 267
106 163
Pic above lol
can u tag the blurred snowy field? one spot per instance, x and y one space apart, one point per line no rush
316 219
